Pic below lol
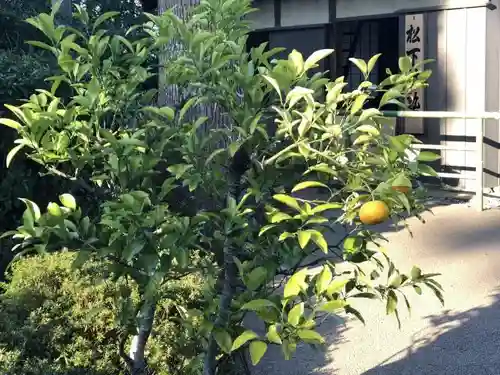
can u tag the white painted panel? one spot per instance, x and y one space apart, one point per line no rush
357 8
475 79
264 16
300 12
456 20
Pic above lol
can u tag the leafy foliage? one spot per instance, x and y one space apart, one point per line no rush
54 320
227 203
20 75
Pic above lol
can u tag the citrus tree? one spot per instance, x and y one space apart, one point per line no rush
242 206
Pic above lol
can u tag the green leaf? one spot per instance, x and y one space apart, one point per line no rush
416 273
213 155
256 278
257 351
81 258
371 63
426 170
405 64
295 314
243 339
319 240
265 228
392 302
274 84
42 45
336 286
295 284
12 153
103 18
428 156
279 217
333 306
223 339
294 96
326 206
368 114
324 279
68 201
54 209
396 281
33 209
308 184
389 95
258 304
304 238
309 336
401 180
297 60
315 57
370 129
289 201
363 139
358 104
10 123
179 169
273 335
361 64
288 348
233 148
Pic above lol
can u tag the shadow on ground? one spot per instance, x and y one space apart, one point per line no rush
461 244
465 343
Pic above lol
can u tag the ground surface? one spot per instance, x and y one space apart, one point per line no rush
461 338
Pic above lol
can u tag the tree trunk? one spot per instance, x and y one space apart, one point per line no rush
138 364
224 315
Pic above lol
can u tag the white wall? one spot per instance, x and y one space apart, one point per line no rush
492 128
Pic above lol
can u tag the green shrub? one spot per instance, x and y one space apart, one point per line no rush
56 321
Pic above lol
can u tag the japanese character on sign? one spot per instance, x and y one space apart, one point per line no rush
412 34
413 101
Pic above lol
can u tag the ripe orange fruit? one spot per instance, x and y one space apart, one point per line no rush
374 212
401 189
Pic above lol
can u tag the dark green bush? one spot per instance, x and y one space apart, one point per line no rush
57 321
21 74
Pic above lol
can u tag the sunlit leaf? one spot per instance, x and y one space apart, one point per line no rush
308 184
309 336
257 351
295 314
243 339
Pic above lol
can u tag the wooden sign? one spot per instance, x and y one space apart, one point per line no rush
414 47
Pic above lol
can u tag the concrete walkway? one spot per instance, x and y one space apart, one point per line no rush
461 338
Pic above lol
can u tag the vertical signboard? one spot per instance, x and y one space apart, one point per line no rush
414 47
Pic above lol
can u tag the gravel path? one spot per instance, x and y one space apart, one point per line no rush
461 338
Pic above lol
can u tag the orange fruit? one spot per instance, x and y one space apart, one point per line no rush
374 212
401 189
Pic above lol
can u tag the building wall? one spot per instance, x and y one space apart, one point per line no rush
456 39
463 40
308 12
492 128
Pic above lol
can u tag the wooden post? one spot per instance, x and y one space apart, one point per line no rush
333 39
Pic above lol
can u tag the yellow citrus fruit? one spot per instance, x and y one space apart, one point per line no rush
374 212
401 189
